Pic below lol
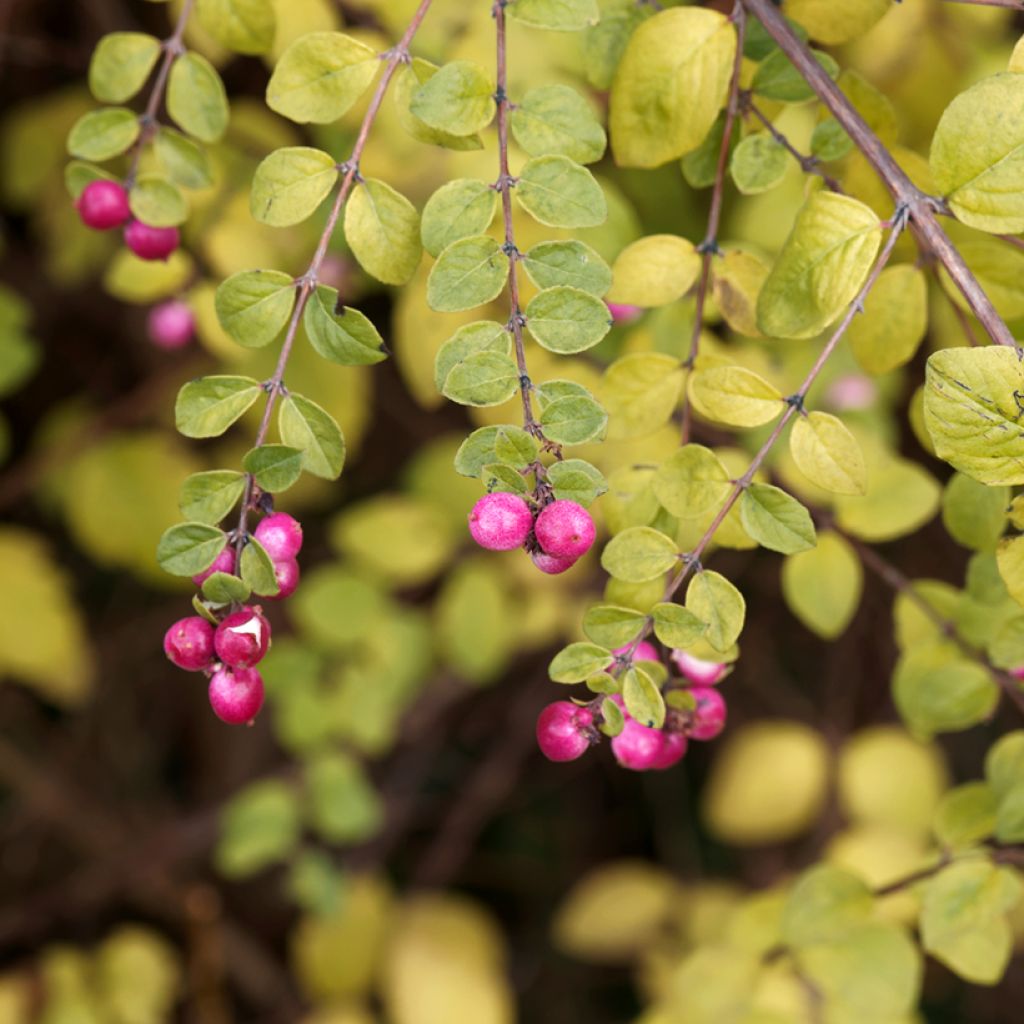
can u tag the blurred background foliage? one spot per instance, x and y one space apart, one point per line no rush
385 844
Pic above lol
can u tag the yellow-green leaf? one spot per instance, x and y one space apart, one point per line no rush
823 586
734 395
886 335
654 271
828 454
714 600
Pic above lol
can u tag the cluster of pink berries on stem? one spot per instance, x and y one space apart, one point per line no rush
103 205
566 730
556 535
229 651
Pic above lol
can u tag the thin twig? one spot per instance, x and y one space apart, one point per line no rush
1012 5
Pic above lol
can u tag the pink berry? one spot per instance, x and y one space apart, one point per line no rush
500 521
638 747
623 313
697 670
236 695
224 562
551 564
645 651
672 752
171 324
286 572
103 205
709 715
563 731
242 638
281 536
1017 673
189 643
565 529
852 392
150 243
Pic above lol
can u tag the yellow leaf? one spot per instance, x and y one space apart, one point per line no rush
654 271
736 281
823 586
886 335
828 454
836 21
734 395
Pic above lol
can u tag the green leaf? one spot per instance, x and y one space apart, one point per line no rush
825 904
966 815
157 202
209 497
560 193
468 273
573 664
458 99
692 482
829 140
613 719
557 120
406 84
244 26
196 99
963 922
257 569
290 184
478 450
480 336
189 548
714 600
821 268
605 42
676 626
254 305
576 480
259 827
887 334
320 76
275 467
827 454
639 554
777 79
643 699
457 210
612 625
482 379
516 447
304 425
902 496
383 230
972 414
120 65
344 336
654 271
758 164
823 586
575 419
499 477
343 806
315 884
1004 763
558 15
640 392
670 85
567 320
571 263
977 154
224 588
77 175
206 407
975 514
103 134
1010 817
735 395
182 159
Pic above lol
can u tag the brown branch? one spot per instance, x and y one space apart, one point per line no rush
709 247
1012 5
922 208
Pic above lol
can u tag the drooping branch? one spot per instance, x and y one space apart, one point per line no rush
921 208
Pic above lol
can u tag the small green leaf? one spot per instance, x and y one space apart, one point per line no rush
676 626
570 263
714 600
482 379
343 806
966 815
515 447
567 320
613 719
290 184
206 407
692 482
574 420
975 514
259 827
157 202
383 230
1010 817
244 26
209 497
612 625
576 662
257 569
196 99
103 134
346 337
407 83
557 15
182 159
777 79
643 699
758 164
639 554
304 425
557 120
254 305
824 904
189 548
223 588
275 467
776 520
823 586
481 336
468 273
1004 763
560 193
457 210
458 99
120 65
576 480
827 454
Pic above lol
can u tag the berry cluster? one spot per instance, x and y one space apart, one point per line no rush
229 650
103 205
566 730
556 536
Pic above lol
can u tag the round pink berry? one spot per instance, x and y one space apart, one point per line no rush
709 715
645 651
672 751
563 731
171 325
500 521
242 638
1017 673
852 392
150 243
551 564
286 571
565 529
236 694
224 562
697 670
189 643
103 205
623 313
281 536
638 747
